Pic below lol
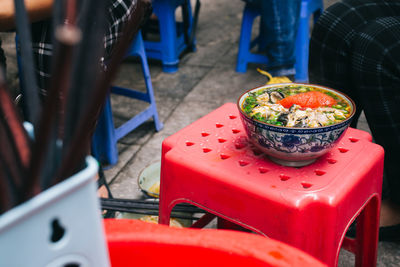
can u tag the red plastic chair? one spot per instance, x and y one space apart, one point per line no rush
211 164
137 243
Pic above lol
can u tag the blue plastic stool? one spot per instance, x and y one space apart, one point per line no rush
105 137
308 8
173 39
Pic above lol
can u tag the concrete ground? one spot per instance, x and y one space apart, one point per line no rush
206 79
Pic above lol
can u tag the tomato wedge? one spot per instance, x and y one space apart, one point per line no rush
313 99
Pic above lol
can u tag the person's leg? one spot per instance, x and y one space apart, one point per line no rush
333 38
279 22
375 72
370 76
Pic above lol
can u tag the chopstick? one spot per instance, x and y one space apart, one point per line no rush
31 102
14 146
10 167
7 195
50 123
72 62
15 142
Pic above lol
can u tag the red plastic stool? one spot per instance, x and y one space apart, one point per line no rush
211 165
137 243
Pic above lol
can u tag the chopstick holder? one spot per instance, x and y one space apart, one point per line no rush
61 226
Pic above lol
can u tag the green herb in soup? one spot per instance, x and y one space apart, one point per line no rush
296 106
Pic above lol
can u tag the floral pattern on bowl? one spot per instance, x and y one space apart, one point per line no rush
300 148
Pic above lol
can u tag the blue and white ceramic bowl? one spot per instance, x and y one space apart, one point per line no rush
293 146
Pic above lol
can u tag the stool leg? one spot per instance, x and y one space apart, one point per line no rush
367 234
104 142
225 224
164 213
245 39
165 12
307 9
302 43
149 86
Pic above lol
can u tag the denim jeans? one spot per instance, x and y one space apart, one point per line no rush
279 23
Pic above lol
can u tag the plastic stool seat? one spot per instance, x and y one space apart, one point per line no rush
104 142
245 56
133 242
172 37
211 164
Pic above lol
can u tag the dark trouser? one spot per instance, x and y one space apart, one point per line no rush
279 23
355 48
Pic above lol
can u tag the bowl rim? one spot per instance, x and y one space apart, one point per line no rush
141 177
346 97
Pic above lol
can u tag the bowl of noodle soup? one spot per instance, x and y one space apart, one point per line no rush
295 123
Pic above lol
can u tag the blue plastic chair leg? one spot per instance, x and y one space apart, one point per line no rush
245 39
308 8
165 12
151 111
173 40
106 136
302 42
149 86
104 143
